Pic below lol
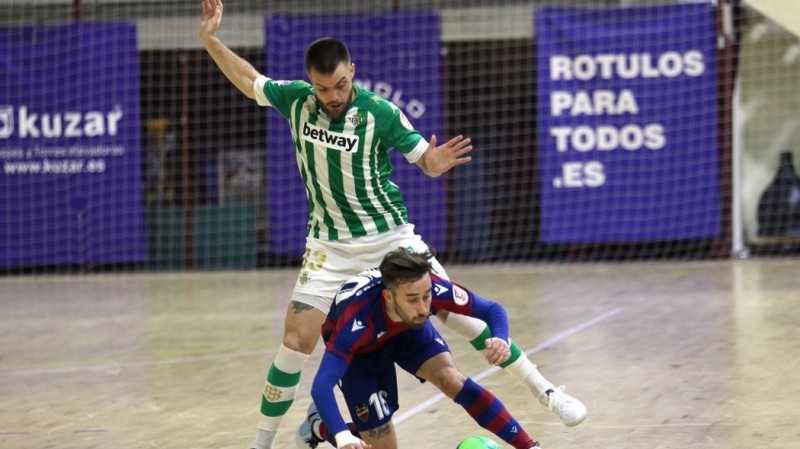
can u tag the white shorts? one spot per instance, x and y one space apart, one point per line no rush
328 264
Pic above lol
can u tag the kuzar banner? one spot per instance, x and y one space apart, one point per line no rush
70 182
397 56
627 114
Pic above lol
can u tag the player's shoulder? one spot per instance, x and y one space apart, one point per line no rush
440 287
446 289
375 103
296 87
290 84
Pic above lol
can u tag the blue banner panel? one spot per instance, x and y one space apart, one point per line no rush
397 55
627 118
70 187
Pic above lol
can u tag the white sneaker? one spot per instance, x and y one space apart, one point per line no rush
305 438
570 410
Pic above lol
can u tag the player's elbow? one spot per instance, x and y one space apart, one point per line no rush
245 85
320 389
316 390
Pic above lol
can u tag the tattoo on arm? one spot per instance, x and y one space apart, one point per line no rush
298 307
380 432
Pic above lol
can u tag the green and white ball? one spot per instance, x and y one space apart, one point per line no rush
478 442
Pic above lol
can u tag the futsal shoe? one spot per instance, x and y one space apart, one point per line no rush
570 410
305 438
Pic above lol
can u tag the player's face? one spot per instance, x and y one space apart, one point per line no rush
334 90
412 301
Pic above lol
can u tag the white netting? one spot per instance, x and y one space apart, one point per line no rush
575 157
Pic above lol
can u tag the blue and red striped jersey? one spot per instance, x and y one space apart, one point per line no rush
357 322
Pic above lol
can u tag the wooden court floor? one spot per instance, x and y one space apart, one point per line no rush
671 355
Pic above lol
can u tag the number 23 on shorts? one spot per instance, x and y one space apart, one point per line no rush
314 260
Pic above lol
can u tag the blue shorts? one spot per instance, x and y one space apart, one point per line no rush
370 383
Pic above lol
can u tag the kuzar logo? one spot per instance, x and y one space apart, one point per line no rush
6 121
29 124
338 141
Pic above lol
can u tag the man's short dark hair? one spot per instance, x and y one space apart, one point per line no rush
401 266
325 54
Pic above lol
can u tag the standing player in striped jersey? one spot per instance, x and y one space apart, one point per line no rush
343 135
380 318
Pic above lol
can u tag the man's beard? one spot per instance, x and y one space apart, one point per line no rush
340 113
408 320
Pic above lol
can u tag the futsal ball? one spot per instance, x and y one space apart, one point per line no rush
478 442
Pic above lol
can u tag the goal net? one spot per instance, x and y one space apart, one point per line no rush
602 130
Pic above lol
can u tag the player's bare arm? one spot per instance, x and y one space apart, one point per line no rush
438 160
240 72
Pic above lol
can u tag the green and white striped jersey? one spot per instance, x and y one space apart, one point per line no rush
345 163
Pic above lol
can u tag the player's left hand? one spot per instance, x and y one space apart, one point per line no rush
497 351
439 159
211 17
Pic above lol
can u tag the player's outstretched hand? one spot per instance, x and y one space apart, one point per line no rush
211 18
346 440
454 152
497 351
360 445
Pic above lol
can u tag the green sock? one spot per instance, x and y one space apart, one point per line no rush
478 343
278 392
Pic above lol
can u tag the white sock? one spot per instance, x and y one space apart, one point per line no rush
264 438
465 326
524 370
287 361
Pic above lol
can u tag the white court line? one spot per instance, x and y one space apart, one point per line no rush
488 372
116 366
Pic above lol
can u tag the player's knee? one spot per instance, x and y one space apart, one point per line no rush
450 381
303 342
302 328
300 338
381 437
454 384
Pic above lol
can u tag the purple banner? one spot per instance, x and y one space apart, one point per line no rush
69 145
627 116
397 55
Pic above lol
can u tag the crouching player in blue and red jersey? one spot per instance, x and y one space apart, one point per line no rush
380 318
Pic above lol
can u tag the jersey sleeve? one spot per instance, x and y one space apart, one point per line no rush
399 133
494 315
330 371
343 342
348 333
454 298
279 94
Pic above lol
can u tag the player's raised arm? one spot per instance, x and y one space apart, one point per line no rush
438 160
240 72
